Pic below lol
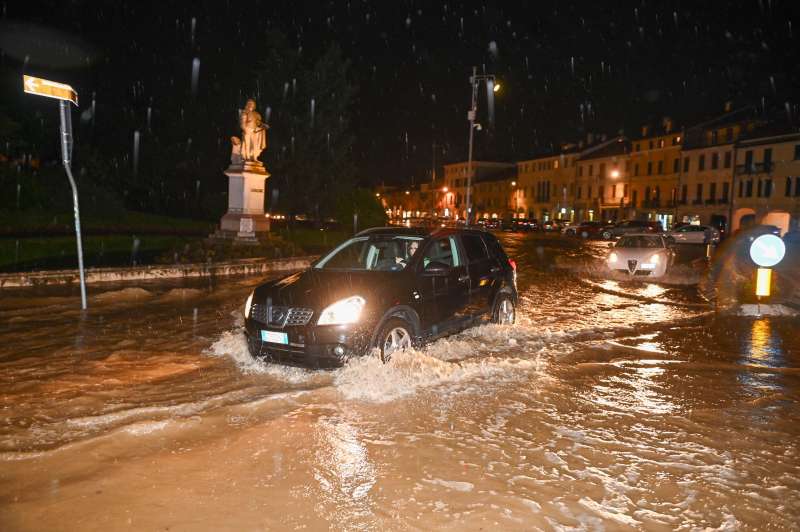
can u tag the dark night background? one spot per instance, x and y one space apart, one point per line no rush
389 80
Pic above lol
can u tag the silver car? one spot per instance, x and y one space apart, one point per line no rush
643 254
695 234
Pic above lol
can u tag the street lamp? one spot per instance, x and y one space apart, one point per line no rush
474 80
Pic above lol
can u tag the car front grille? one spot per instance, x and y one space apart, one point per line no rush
280 316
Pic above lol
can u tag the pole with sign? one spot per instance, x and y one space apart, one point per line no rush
63 93
766 251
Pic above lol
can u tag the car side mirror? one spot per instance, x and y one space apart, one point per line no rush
436 268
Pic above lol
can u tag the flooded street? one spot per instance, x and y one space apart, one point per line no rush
609 404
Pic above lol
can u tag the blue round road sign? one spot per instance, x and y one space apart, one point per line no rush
767 250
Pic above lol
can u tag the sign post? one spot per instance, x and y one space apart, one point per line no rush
63 93
766 251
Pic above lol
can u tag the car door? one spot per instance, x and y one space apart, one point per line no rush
681 234
483 274
695 234
444 294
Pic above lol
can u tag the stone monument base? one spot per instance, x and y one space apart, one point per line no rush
245 218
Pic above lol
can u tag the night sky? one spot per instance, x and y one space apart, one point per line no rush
567 68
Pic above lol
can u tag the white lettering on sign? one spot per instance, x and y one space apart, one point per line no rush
49 89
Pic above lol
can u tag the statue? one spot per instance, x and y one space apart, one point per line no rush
254 135
236 151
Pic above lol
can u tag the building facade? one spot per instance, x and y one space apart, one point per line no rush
735 170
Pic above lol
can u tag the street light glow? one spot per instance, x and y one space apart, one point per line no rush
444 189
496 87
615 173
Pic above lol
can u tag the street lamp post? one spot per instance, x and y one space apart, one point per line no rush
471 114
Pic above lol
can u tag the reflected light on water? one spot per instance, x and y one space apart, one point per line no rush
763 346
653 290
345 471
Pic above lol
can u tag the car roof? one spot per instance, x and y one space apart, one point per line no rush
642 234
421 231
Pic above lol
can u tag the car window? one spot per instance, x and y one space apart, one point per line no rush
640 242
495 249
474 248
383 253
442 250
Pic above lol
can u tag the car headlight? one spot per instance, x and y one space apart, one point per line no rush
342 312
612 257
655 259
248 304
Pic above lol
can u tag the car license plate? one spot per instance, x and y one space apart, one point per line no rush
274 337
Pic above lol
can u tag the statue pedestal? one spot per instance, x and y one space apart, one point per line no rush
245 218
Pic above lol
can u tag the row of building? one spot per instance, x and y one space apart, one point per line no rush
735 170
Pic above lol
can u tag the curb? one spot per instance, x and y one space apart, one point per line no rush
100 275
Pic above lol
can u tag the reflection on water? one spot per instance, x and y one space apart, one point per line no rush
763 346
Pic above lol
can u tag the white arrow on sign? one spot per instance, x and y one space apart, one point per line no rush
49 89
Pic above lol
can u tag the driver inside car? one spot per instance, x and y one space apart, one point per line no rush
411 248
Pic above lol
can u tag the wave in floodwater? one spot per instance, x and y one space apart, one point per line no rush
147 390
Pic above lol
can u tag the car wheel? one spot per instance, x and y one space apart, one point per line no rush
394 336
584 234
504 312
607 235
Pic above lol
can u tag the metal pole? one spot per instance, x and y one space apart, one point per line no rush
66 156
471 117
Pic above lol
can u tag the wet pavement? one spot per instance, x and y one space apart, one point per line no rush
610 404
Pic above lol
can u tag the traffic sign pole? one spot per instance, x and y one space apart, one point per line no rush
63 93
66 158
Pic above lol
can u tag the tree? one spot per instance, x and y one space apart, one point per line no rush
362 202
310 145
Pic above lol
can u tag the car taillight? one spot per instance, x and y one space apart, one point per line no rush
513 264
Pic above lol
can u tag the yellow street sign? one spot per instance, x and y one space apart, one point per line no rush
50 89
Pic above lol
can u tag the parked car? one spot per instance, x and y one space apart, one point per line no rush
630 227
641 255
387 288
694 234
569 228
590 229
754 231
523 225
551 225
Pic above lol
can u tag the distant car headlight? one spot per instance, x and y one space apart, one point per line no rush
342 312
655 259
612 257
248 304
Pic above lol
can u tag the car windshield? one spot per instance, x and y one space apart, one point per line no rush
378 253
640 242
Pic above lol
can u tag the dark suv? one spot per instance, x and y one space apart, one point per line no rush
387 288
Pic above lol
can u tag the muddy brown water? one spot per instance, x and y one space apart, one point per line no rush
608 405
